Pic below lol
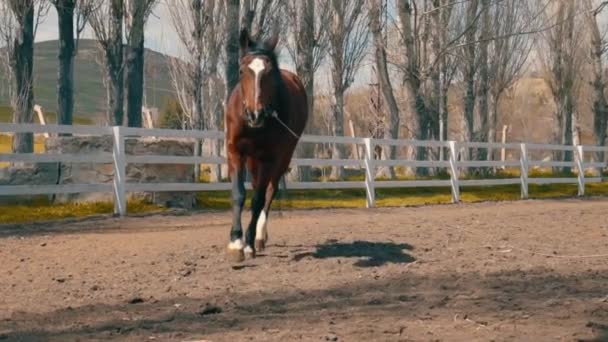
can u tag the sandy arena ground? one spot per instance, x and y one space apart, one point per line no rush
522 271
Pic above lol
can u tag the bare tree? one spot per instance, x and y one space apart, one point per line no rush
231 47
195 78
597 55
72 17
415 66
348 38
470 68
376 27
136 15
261 17
445 25
213 83
107 24
561 59
507 55
307 46
18 24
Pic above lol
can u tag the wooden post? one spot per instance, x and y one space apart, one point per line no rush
523 163
503 152
41 118
454 179
370 172
579 157
120 191
352 134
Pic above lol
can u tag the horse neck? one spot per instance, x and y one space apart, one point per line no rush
278 96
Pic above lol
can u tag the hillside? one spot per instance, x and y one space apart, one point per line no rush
89 88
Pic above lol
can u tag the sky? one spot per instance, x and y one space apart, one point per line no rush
160 36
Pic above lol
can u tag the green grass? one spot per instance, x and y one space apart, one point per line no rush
398 197
41 210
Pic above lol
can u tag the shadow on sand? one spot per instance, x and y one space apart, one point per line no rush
370 254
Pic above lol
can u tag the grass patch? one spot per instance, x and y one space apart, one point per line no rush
400 197
6 116
41 210
6 146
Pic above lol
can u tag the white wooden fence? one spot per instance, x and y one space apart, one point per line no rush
121 187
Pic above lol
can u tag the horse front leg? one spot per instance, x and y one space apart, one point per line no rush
261 231
257 206
235 247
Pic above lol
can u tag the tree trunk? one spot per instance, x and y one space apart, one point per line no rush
232 46
22 64
415 101
114 65
67 51
484 77
599 103
492 122
135 64
470 71
337 172
385 83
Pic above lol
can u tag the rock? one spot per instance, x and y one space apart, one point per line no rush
136 300
209 309
331 337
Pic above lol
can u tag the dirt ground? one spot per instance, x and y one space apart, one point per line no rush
521 271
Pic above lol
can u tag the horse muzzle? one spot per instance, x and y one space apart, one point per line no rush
257 118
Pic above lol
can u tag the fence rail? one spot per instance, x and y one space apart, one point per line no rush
120 187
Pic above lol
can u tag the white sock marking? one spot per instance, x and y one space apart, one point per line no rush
248 249
260 229
236 244
257 66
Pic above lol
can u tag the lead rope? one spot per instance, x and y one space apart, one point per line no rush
276 116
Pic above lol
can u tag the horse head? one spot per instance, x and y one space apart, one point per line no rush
259 78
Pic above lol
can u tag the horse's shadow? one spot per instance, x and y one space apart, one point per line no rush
370 254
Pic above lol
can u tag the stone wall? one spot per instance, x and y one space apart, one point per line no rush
88 173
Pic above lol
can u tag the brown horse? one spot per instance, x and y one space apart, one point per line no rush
265 116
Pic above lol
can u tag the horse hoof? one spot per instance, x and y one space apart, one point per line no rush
260 245
236 255
249 253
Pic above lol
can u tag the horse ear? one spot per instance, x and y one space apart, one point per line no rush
271 43
245 41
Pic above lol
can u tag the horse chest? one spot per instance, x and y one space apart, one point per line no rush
257 148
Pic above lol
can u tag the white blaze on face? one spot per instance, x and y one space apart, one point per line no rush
257 66
260 229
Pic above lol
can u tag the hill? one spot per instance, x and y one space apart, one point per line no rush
88 74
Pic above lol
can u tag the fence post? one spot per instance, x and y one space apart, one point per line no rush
370 173
120 193
523 164
580 157
454 172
